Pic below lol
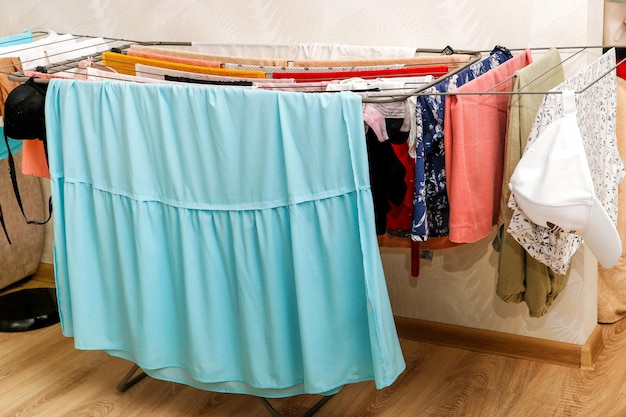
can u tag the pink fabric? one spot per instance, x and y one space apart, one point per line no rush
43 75
376 121
474 132
176 59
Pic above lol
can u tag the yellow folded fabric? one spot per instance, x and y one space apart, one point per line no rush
125 64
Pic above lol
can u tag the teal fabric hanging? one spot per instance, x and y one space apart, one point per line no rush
17 39
222 238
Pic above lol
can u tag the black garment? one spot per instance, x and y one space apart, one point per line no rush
24 118
239 83
386 172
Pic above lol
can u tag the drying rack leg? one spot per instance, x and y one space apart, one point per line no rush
308 413
128 380
131 379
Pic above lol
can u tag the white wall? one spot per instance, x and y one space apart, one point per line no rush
614 24
458 285
468 24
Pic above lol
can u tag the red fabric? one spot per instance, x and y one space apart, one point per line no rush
399 218
621 71
310 76
415 259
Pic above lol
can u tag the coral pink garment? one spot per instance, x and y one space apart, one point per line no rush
474 132
34 159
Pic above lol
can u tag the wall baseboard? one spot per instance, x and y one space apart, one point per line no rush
505 344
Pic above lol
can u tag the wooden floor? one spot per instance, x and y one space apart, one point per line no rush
41 374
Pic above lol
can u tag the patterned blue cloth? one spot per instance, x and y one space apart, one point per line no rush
217 245
431 207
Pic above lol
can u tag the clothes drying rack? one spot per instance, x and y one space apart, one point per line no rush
135 374
121 45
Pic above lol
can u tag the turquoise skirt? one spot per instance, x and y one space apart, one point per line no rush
221 238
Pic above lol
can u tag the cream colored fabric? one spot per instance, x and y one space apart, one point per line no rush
612 281
315 50
620 130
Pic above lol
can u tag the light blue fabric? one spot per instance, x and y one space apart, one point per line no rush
17 39
222 238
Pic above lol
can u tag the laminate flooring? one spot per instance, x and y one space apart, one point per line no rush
42 374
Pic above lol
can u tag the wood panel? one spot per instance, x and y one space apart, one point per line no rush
507 344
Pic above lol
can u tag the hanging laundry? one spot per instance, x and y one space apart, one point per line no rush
169 58
399 215
552 185
125 64
276 69
453 61
309 76
388 126
611 284
596 108
8 65
158 73
241 244
16 39
15 58
234 83
386 171
620 55
474 133
79 49
305 51
209 57
431 204
522 278
34 56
